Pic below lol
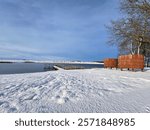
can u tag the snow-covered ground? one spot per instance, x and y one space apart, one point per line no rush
91 90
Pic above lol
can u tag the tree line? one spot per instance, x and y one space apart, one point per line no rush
131 33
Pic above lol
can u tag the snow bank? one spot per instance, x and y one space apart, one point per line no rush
91 90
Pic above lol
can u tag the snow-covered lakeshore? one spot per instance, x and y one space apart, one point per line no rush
89 90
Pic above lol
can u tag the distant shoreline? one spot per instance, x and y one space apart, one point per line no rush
64 62
6 62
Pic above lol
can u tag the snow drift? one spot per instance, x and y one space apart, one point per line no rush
91 90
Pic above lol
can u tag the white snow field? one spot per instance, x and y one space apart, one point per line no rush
65 91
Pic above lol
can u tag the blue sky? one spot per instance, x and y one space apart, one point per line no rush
56 29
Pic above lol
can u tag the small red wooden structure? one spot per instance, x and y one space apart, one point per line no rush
131 62
110 63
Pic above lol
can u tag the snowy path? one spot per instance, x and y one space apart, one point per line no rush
93 90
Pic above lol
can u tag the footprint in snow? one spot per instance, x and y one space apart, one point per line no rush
12 109
7 107
61 101
29 97
4 104
1 94
63 96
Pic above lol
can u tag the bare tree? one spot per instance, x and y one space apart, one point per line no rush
132 33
